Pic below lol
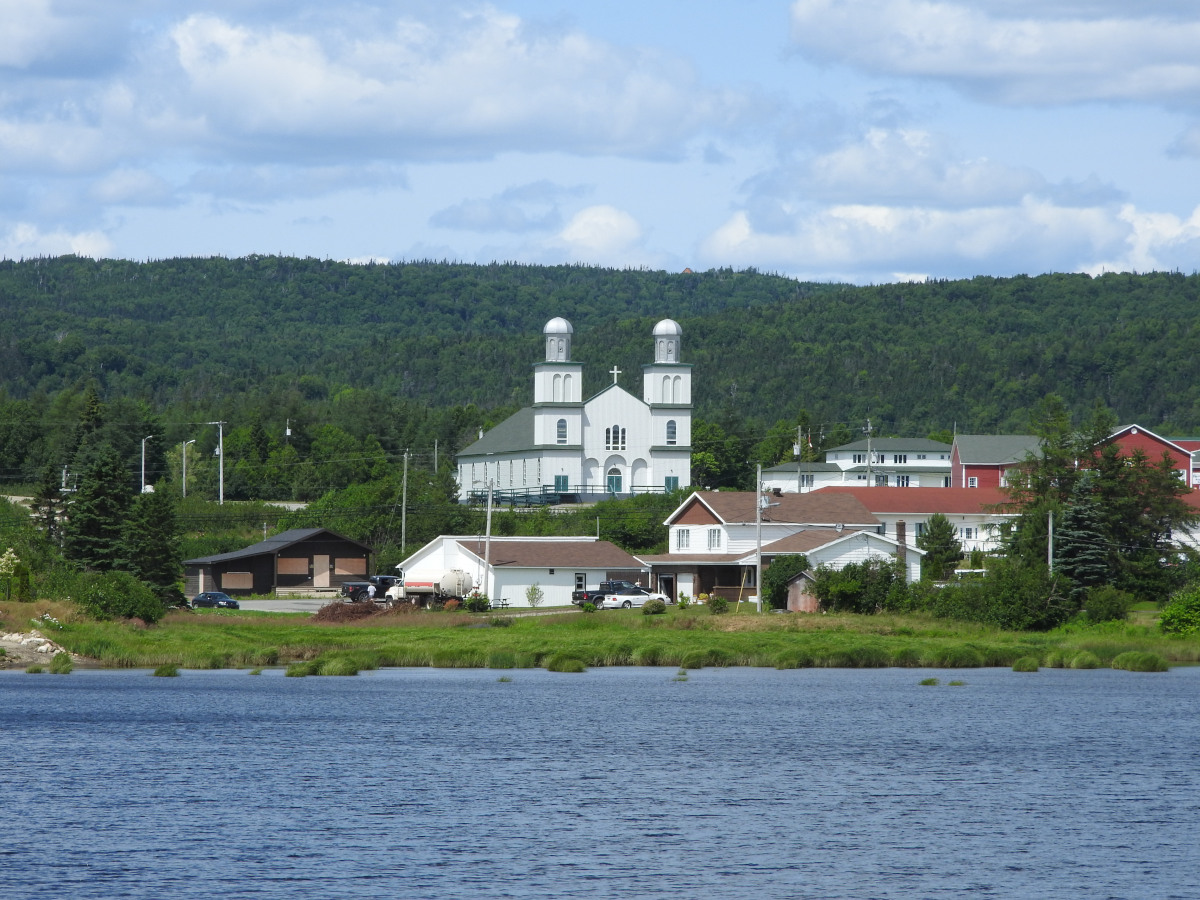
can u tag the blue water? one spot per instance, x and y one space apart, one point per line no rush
740 783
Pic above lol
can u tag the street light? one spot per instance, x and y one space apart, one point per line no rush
146 438
185 443
760 503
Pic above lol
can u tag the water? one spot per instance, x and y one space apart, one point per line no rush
743 783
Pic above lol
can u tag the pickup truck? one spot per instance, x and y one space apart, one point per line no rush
356 591
596 596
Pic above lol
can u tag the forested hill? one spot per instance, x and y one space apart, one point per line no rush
197 333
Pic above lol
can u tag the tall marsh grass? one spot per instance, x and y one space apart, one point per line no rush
680 638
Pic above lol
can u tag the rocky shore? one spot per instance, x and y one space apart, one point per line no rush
27 649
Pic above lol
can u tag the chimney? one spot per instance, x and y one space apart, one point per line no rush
901 538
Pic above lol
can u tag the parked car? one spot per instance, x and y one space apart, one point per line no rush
630 597
214 599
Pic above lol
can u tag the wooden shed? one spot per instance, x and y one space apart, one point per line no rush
312 559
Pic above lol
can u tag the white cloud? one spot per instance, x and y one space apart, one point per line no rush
1032 54
26 240
131 187
600 233
882 242
911 166
522 208
486 84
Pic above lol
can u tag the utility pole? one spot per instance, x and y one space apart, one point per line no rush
146 438
1050 544
870 456
404 508
487 547
758 499
435 459
220 460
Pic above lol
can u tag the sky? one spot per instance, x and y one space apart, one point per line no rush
862 141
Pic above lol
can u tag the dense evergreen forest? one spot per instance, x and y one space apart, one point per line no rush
363 362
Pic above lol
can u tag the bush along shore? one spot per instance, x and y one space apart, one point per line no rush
574 642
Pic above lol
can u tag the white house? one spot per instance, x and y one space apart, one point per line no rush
976 514
505 568
715 536
613 444
887 462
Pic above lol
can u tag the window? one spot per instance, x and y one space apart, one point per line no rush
614 481
683 539
714 539
920 456
945 481
860 458
580 581
967 533
562 431
671 433
614 438
806 481
560 484
881 480
899 458
671 483
972 481
901 481
920 528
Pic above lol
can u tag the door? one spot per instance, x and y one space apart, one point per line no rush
321 571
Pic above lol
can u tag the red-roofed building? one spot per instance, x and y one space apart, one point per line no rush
975 513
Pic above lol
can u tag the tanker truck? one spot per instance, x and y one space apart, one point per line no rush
451 584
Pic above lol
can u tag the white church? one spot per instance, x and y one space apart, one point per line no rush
566 449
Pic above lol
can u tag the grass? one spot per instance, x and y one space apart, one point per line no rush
682 639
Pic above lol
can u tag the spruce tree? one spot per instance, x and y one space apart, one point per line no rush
96 513
942 548
1082 550
151 545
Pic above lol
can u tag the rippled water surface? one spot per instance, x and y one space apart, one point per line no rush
741 783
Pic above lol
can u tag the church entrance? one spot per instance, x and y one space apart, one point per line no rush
614 481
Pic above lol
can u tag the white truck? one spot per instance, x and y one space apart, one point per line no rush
451 584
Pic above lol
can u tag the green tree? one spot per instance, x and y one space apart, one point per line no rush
776 577
151 546
48 505
1082 551
97 512
942 548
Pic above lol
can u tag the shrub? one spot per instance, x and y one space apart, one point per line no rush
653 608
867 587
1026 664
501 621
451 605
35 669
1182 615
534 595
1107 604
684 600
588 608
166 671
62 664
109 595
476 602
1139 661
718 605
694 659
1085 659
929 682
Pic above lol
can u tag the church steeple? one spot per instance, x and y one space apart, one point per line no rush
667 380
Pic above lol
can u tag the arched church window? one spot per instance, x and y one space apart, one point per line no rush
672 433
614 481
614 438
562 431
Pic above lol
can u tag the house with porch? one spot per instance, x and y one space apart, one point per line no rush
714 537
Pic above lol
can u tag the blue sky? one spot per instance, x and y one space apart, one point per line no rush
850 140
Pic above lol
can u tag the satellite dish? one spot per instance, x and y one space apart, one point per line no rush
838 527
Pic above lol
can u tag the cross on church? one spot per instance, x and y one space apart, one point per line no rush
614 373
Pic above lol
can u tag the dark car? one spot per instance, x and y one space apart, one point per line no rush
214 599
